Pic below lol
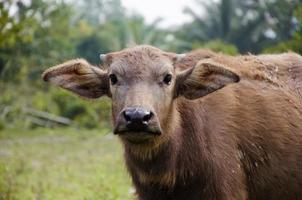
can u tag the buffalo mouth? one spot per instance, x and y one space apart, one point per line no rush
135 135
138 132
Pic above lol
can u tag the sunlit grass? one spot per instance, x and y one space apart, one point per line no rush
62 164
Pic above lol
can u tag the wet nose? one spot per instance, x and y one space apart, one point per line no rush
137 117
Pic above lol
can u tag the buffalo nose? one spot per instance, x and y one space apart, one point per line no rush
137 117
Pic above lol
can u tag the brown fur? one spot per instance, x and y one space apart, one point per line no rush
240 142
250 136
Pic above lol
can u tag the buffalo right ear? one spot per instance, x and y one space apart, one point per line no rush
79 77
204 78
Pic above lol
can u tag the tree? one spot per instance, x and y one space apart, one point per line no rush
114 35
38 31
249 25
295 42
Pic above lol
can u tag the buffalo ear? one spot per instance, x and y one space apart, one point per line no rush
80 77
205 78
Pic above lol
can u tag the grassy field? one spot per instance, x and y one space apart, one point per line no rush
62 164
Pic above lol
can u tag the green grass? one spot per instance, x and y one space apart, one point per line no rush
62 164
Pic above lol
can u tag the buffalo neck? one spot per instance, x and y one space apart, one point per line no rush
175 157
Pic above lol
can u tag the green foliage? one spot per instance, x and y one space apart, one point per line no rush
84 113
293 44
49 38
217 46
62 164
49 22
247 24
87 113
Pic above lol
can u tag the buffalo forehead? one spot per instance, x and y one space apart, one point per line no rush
129 66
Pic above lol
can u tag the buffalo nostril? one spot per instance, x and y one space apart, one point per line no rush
148 116
127 116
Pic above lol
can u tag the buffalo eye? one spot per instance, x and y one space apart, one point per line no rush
113 79
167 79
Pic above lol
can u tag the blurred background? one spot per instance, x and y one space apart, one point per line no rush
54 145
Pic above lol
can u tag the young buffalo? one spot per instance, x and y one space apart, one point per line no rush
186 135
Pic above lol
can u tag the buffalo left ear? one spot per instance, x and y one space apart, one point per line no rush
79 77
205 78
